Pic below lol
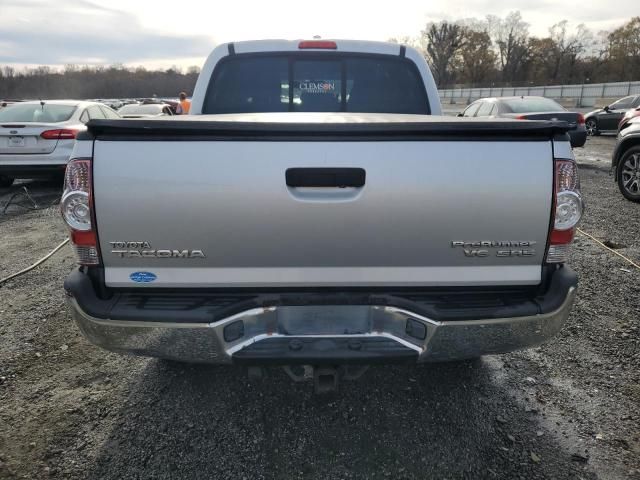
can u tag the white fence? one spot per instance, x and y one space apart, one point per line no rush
586 95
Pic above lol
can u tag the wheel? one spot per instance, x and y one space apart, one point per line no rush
629 174
592 127
5 182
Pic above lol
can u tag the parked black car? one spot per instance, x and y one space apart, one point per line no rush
607 119
625 163
529 108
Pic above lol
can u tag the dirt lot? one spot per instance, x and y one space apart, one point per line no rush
570 409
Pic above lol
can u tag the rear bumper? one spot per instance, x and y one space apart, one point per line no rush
578 136
29 166
318 333
32 171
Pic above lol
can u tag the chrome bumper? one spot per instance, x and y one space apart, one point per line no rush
205 342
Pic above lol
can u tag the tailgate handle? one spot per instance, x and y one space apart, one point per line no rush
325 177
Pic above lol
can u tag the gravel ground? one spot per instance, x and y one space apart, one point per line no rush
567 410
596 152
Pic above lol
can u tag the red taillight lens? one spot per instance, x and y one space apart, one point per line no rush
318 44
59 134
580 119
521 117
567 209
561 237
77 210
84 239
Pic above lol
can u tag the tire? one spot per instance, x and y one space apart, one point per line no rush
592 127
628 174
5 182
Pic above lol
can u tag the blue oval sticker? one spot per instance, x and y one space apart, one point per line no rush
143 277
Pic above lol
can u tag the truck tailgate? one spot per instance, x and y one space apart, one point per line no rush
219 213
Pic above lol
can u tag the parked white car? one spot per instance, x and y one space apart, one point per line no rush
145 110
36 138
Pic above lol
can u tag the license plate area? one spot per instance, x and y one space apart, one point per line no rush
16 142
324 320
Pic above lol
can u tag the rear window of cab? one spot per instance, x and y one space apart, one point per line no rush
316 83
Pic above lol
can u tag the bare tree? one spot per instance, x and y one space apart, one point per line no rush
566 48
511 36
72 81
442 43
623 50
478 60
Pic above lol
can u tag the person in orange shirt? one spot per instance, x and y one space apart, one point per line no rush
184 105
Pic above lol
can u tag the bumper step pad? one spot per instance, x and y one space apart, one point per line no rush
323 350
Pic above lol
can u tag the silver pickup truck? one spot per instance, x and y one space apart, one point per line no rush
316 210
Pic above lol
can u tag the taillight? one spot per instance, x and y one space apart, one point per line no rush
59 134
567 210
580 119
318 44
521 117
77 210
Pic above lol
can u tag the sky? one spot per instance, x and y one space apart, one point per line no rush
159 33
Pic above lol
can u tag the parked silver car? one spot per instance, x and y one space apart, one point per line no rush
36 138
530 108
